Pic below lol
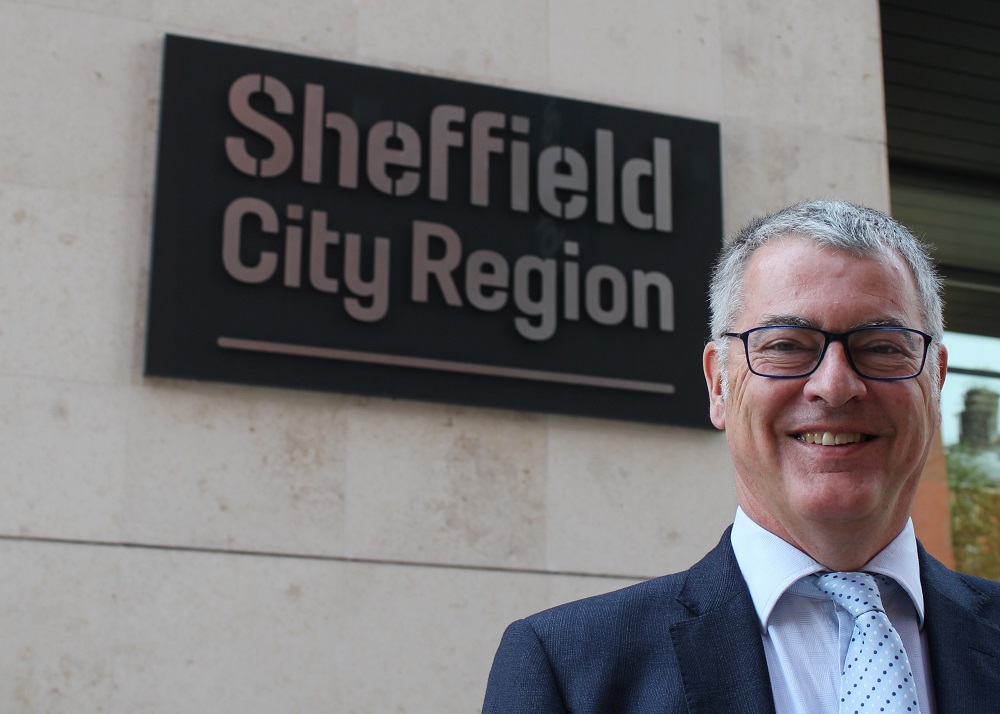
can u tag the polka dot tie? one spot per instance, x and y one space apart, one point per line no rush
876 676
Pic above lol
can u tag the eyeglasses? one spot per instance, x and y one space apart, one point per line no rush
789 351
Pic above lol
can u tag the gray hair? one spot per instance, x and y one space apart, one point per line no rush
856 230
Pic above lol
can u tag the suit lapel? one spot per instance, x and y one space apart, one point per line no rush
721 658
719 649
964 647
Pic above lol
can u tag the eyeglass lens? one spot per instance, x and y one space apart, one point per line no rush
877 352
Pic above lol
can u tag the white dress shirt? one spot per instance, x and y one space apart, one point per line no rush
805 635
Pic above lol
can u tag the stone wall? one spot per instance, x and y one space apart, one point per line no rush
172 546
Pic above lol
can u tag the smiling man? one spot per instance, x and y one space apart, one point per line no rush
824 370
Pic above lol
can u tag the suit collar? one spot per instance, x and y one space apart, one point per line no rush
719 649
769 564
721 658
964 644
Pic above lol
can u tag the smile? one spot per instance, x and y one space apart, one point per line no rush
828 438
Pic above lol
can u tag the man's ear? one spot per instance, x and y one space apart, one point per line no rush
942 365
713 379
942 371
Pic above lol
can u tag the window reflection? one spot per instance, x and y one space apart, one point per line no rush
969 406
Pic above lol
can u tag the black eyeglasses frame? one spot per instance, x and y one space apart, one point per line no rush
829 337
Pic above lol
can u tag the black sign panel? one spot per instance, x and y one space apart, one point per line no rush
323 225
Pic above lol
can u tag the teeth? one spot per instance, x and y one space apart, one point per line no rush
828 438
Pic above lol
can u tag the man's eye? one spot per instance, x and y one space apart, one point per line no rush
883 349
783 346
887 348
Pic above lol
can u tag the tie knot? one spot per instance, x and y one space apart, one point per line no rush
855 592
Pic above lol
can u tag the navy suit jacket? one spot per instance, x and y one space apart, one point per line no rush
690 642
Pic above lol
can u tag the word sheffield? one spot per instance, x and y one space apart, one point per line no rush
566 185
489 155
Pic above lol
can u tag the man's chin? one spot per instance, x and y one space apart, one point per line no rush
842 499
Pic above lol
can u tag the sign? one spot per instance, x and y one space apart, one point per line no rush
329 226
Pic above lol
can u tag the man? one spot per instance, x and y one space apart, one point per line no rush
825 371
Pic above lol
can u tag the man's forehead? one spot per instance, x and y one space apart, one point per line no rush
799 242
793 280
793 253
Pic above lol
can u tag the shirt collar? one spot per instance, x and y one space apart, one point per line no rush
771 565
899 561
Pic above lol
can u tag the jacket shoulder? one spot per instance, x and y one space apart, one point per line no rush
978 595
707 584
618 652
603 653
614 609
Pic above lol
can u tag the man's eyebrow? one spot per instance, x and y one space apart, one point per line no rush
791 320
882 322
798 321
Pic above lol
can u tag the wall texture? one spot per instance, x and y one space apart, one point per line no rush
183 547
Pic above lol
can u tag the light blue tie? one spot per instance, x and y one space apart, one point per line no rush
876 676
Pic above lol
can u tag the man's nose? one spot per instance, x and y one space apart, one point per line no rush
835 381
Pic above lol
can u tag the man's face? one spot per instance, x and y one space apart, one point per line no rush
785 483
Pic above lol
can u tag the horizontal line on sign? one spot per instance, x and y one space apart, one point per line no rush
235 343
